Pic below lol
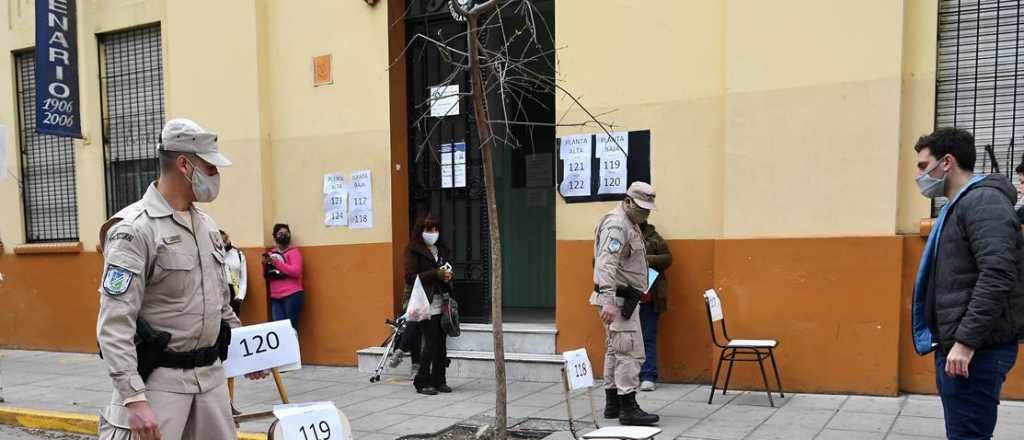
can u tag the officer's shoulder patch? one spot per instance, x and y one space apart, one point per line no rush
116 280
614 245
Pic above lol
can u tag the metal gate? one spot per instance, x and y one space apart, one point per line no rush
463 210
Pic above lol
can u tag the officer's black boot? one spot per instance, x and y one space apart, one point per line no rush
631 414
611 403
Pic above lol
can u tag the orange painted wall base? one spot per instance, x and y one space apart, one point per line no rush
50 301
838 306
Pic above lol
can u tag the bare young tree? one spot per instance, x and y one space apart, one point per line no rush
501 78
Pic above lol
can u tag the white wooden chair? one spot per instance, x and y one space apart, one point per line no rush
577 374
743 350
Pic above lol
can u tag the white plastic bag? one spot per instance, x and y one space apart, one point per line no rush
419 305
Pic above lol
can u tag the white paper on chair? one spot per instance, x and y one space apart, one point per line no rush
578 369
714 304
308 421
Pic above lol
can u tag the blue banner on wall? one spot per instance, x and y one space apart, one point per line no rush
57 106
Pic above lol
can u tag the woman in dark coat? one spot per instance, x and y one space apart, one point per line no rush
427 258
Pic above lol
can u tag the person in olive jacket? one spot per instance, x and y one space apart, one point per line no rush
653 303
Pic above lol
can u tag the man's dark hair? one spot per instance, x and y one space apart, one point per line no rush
1020 168
955 142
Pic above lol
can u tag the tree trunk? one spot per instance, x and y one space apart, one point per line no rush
481 115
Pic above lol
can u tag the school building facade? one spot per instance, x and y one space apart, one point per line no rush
781 137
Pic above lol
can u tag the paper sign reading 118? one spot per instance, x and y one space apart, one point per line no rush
578 370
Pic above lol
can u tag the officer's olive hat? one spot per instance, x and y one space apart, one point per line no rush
642 193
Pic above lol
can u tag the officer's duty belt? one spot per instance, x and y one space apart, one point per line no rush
187 360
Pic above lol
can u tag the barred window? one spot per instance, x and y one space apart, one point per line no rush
979 77
47 168
132 92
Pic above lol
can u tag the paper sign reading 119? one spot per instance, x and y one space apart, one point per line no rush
578 369
314 421
261 347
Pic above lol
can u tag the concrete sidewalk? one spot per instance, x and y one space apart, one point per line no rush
78 383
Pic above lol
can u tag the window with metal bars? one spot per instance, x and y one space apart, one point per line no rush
980 79
47 168
132 93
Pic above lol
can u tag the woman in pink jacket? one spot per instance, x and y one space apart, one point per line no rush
284 276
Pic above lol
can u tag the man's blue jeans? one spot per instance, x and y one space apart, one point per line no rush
649 326
971 405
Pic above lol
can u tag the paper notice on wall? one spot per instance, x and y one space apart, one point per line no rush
576 152
459 164
333 182
3 152
612 152
336 209
360 201
444 101
453 165
447 171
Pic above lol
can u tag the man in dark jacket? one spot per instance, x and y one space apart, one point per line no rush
653 303
969 296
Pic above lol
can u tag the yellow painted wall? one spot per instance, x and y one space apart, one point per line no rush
917 106
763 123
211 76
768 118
812 117
242 69
657 67
341 127
17 34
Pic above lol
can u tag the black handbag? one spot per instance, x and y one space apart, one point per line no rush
450 316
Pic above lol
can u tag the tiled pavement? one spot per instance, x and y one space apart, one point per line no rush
78 383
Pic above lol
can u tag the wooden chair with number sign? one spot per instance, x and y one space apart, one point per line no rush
743 350
276 372
578 374
276 431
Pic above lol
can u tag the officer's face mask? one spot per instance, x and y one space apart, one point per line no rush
932 187
430 238
204 187
635 213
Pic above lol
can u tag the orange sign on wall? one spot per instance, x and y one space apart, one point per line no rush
322 70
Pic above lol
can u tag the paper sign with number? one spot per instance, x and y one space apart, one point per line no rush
312 421
575 152
714 304
578 369
613 152
261 347
360 201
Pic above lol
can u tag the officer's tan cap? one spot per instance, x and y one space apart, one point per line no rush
642 193
185 136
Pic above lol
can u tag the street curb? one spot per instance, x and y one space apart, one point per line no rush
69 422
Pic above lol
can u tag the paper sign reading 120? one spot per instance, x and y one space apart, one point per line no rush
261 347
578 370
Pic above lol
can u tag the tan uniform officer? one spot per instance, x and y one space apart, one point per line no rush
620 261
164 265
